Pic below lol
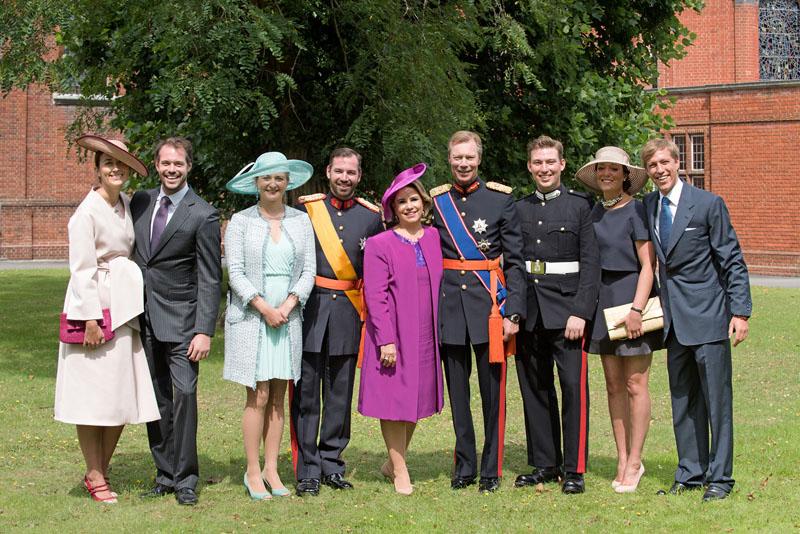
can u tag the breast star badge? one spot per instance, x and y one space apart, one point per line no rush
484 245
479 226
362 242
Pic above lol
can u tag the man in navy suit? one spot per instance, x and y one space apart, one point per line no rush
705 294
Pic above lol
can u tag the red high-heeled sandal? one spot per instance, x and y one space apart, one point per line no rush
94 490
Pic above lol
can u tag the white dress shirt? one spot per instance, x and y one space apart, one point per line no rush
175 199
673 196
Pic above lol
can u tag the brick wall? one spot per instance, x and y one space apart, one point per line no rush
41 182
751 130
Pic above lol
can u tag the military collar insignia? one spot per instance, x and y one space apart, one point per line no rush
548 196
341 204
469 189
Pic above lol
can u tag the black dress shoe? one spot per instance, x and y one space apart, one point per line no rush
307 486
336 481
489 485
573 484
677 488
186 496
714 493
159 490
461 482
539 476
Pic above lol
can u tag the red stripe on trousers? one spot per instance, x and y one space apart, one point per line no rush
292 433
501 420
584 415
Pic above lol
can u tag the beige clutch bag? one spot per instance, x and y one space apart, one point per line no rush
652 318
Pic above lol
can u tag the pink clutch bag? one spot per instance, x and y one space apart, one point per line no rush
73 331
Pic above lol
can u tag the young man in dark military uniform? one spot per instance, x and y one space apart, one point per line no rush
483 215
331 326
562 262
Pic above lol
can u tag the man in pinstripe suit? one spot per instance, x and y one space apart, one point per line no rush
178 250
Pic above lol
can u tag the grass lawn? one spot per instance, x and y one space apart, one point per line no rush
41 466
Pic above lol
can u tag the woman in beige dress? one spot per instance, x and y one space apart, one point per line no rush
102 384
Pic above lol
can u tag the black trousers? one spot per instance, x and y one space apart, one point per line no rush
702 399
173 438
492 384
537 351
317 447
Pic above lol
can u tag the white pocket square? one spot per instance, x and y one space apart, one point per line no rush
689 229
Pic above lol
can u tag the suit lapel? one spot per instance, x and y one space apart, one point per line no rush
682 216
651 203
142 226
175 222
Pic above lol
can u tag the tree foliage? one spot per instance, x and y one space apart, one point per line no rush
392 79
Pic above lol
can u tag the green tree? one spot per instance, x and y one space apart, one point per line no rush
392 79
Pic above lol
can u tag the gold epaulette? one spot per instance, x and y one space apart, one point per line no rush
439 189
311 198
501 188
367 204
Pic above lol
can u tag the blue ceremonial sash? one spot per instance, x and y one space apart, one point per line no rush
465 243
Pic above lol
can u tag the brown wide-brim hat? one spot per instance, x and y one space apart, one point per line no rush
115 149
611 154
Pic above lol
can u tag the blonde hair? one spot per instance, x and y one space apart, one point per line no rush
654 145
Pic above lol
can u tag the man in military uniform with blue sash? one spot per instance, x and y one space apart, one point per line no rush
480 303
562 262
332 323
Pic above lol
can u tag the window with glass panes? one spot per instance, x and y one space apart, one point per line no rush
692 155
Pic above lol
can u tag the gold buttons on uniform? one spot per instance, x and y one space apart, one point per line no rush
463 199
341 240
463 273
333 296
461 258
463 286
339 213
463 214
540 222
538 241
342 227
562 228
535 281
543 203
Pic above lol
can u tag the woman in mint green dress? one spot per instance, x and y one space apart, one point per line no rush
271 265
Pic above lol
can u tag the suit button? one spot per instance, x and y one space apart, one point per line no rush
463 199
463 214
342 228
535 281
339 213
341 240
463 273
333 296
538 241
562 228
463 287
543 203
540 222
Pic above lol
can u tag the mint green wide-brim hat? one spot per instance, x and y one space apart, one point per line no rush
269 163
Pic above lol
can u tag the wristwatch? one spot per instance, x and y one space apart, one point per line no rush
514 318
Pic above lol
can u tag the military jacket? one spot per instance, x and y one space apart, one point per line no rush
464 303
330 312
560 230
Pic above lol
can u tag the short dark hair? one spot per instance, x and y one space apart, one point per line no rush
174 142
544 141
345 152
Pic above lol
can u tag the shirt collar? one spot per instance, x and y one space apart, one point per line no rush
341 204
675 194
175 198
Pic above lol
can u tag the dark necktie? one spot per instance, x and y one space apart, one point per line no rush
664 223
159 223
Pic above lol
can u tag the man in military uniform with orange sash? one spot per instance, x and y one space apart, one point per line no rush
562 263
480 303
332 324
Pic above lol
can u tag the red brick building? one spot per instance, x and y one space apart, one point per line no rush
737 121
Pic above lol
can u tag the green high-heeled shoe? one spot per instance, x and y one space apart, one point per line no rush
262 496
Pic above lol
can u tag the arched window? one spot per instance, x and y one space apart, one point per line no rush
779 39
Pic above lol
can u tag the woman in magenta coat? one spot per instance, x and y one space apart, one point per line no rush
401 374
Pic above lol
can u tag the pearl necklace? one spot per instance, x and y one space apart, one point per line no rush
611 202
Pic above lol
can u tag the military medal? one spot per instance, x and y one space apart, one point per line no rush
479 226
484 245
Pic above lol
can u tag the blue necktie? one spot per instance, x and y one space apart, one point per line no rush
664 223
